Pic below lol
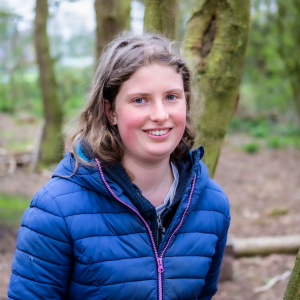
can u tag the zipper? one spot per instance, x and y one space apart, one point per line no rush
160 230
159 259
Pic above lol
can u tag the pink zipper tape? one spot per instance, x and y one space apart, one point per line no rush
159 260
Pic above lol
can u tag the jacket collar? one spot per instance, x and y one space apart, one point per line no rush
117 178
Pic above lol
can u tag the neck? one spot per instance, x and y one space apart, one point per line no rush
154 179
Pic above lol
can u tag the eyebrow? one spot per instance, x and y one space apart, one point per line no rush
147 94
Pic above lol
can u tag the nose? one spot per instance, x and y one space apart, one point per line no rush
159 113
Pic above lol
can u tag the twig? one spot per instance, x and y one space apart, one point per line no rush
275 279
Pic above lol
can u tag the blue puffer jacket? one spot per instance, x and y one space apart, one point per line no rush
83 239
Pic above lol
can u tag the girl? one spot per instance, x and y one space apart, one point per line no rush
130 212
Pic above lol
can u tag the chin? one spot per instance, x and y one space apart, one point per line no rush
162 154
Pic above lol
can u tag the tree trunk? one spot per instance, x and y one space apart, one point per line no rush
112 16
293 289
52 141
289 44
160 16
215 43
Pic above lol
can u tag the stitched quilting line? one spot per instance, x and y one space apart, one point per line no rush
112 235
30 279
14 298
53 197
88 284
46 211
85 190
198 233
200 255
97 213
47 261
51 181
50 237
117 259
90 213
132 281
209 188
140 257
202 278
211 210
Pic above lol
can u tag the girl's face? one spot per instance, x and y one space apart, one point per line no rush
150 113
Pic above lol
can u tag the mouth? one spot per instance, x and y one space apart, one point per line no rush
158 132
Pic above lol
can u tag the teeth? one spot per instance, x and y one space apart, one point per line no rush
158 132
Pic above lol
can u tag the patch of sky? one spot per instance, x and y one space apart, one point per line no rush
66 21
137 16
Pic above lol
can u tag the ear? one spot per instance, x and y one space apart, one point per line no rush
109 113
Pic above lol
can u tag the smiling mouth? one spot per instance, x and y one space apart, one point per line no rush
158 132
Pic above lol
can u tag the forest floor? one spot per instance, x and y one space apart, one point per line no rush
263 190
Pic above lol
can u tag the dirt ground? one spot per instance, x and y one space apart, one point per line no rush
263 190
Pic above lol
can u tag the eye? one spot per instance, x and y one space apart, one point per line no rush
171 97
139 100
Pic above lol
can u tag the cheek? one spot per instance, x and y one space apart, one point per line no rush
128 128
180 120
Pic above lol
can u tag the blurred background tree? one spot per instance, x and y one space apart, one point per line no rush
16 59
265 85
112 16
51 148
288 26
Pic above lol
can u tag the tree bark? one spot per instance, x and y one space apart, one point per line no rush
112 16
288 27
293 289
160 16
215 43
52 141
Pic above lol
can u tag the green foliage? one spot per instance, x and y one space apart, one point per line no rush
73 87
265 85
21 93
251 147
261 130
274 134
73 84
12 208
274 142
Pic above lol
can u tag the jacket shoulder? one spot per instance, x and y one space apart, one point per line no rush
70 198
213 198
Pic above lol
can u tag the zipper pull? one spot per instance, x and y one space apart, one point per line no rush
159 222
160 265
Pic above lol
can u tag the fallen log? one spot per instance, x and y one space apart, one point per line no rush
239 247
9 160
266 245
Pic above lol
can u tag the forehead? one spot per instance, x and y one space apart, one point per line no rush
153 77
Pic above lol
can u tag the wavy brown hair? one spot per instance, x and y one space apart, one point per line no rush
119 60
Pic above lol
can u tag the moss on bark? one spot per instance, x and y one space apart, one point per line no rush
160 16
112 16
293 288
215 44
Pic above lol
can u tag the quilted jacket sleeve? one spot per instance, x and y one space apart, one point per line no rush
212 277
43 259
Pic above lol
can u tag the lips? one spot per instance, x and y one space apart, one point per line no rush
158 132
